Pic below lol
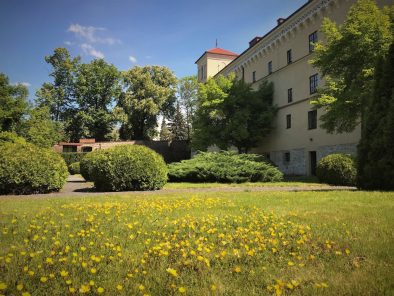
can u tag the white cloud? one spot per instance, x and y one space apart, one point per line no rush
27 84
68 43
90 50
148 57
89 34
132 59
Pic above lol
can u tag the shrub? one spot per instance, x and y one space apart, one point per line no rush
337 169
226 167
71 157
126 167
26 169
8 137
86 163
74 168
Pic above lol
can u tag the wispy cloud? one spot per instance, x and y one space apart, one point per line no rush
90 34
132 59
90 50
68 43
27 84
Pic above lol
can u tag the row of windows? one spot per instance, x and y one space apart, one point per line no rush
312 40
312 120
313 84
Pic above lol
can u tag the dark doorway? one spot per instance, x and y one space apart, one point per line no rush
87 149
313 162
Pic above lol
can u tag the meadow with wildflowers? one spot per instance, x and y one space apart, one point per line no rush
244 243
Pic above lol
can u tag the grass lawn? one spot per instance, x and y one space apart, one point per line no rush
187 185
244 243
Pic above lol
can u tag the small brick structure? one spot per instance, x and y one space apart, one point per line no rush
172 151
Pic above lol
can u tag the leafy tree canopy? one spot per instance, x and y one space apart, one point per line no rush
347 61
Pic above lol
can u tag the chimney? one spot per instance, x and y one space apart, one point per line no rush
280 21
254 41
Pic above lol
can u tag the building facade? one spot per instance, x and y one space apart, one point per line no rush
282 56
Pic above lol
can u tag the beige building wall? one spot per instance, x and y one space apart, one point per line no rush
297 148
210 64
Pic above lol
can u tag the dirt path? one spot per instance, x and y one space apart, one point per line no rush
77 186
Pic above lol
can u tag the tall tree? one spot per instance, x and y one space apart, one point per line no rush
165 134
231 113
96 88
347 60
187 97
13 104
148 92
376 149
59 95
40 129
178 126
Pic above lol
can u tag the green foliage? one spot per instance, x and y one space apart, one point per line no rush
225 167
13 104
86 164
187 97
337 169
8 137
40 130
127 167
165 133
149 91
74 168
231 113
26 169
71 157
178 126
376 149
347 61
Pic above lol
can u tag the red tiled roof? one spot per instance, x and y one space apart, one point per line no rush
218 50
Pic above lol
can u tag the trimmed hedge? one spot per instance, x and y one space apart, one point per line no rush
125 167
224 167
26 169
71 157
337 169
74 168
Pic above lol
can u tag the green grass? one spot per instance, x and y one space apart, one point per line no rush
187 185
246 243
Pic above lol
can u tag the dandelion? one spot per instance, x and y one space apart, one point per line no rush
63 273
26 294
93 270
172 271
141 288
71 290
119 287
237 269
100 290
182 290
3 286
43 279
19 287
84 289
213 287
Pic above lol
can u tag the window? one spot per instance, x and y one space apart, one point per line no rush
254 76
290 95
69 148
269 67
312 41
286 157
87 149
312 119
289 57
313 83
288 121
243 74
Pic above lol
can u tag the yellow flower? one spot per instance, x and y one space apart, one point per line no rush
100 290
43 279
69 282
91 283
71 289
84 289
93 270
119 287
290 263
213 287
19 287
141 287
237 269
64 273
172 271
3 286
26 294
182 290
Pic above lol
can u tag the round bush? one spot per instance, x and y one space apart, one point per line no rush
86 164
8 137
224 167
74 168
27 169
337 169
127 167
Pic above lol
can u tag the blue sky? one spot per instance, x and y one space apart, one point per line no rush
127 32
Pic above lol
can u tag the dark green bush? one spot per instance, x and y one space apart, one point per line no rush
8 137
225 167
26 169
337 169
71 157
74 168
126 167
